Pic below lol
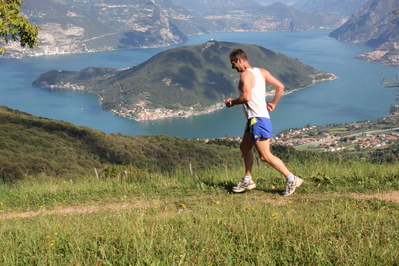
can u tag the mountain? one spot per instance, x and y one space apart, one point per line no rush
269 2
374 25
80 26
181 81
252 17
343 8
97 26
199 7
276 17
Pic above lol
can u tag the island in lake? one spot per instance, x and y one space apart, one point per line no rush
182 81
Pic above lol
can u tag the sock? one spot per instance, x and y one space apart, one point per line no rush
247 178
291 178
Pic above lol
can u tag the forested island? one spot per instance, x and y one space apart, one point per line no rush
182 81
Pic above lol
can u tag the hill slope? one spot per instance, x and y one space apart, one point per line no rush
70 27
30 146
180 81
372 25
276 17
343 8
204 7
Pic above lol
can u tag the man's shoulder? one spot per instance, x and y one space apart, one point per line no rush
262 69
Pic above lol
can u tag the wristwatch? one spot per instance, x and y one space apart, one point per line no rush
230 104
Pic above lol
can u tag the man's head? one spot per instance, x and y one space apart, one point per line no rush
238 58
237 53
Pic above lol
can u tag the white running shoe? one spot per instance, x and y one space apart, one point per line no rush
244 185
291 186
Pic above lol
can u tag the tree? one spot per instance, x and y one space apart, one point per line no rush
15 27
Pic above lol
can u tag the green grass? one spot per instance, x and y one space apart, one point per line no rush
183 219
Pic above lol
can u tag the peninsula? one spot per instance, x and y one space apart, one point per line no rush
182 81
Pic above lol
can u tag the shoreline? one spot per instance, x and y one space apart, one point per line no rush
144 114
162 113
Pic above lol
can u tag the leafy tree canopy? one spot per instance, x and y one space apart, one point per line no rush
15 27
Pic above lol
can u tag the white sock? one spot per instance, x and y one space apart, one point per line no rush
291 178
247 178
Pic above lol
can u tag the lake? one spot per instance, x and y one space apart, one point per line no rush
354 96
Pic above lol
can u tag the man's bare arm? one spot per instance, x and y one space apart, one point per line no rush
279 89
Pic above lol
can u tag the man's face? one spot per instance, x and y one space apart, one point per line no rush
236 65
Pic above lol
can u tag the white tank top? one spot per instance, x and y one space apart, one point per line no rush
256 107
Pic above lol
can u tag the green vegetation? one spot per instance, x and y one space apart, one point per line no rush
194 77
15 27
146 206
183 219
31 146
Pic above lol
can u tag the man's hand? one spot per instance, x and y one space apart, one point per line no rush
270 106
228 102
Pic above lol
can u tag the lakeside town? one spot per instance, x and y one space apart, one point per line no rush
142 113
364 140
330 142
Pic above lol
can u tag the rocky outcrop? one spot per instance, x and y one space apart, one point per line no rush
374 25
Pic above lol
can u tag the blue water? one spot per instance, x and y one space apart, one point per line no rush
354 96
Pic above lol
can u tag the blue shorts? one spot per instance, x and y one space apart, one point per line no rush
259 128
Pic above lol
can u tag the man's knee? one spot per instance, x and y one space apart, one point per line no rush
245 148
268 158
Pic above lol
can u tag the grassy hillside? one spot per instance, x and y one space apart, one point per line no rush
32 146
146 208
346 213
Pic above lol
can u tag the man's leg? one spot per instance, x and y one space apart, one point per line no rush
246 148
293 182
263 147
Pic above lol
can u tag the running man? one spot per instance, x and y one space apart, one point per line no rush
258 131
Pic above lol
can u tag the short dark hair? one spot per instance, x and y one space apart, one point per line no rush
238 53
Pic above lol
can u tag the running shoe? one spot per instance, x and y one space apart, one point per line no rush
244 185
291 186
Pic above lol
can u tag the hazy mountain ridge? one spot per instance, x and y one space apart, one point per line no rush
78 26
339 7
203 7
182 81
276 17
372 25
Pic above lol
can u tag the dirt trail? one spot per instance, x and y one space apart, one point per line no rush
67 210
390 196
